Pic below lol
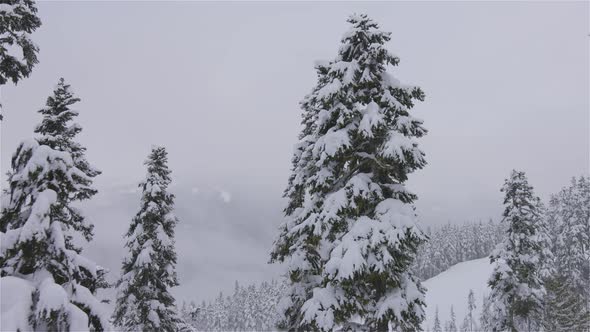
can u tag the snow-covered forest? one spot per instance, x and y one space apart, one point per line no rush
450 244
346 238
254 306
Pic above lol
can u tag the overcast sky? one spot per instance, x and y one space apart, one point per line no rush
218 84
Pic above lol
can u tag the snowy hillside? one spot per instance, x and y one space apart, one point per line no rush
452 287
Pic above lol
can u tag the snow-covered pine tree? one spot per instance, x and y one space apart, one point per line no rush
56 132
573 239
310 106
304 271
437 327
250 310
207 323
242 301
465 325
568 217
451 325
268 306
144 302
517 289
18 53
470 318
220 314
235 309
351 239
39 224
485 318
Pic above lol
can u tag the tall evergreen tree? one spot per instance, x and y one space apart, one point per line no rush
567 301
451 325
573 235
144 302
234 316
437 327
517 289
18 53
465 325
295 193
39 223
470 318
485 318
311 106
350 235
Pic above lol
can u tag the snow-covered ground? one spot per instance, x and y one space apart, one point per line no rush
452 287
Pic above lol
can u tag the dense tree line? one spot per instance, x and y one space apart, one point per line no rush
450 244
567 283
255 306
250 308
562 307
541 278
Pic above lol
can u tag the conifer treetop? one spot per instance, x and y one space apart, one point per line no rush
57 115
519 198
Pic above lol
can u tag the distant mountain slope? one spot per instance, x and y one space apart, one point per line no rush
452 286
224 235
